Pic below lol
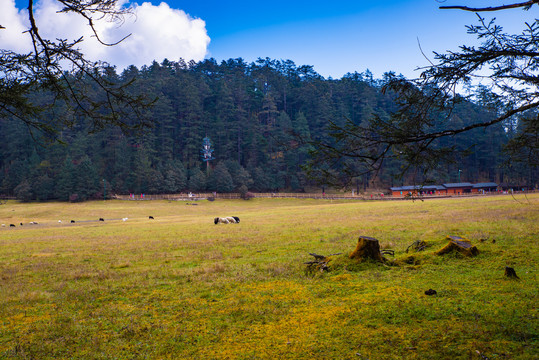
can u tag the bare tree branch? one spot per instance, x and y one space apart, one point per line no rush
44 69
492 8
415 132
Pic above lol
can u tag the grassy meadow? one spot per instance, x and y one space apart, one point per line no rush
180 287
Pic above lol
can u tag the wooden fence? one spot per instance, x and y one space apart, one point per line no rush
204 196
178 197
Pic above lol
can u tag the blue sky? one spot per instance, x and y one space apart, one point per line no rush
335 37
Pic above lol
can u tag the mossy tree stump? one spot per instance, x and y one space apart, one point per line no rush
367 248
511 273
460 244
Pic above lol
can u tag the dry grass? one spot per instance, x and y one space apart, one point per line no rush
181 287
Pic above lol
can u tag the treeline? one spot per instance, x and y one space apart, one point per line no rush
254 113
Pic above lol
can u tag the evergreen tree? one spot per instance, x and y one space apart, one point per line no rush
23 191
15 173
175 179
65 183
86 180
43 187
261 181
220 179
143 174
197 180
240 176
123 177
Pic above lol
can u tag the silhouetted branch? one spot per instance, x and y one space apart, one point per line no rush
525 4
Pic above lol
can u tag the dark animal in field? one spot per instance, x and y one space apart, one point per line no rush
72 221
150 217
21 224
101 219
236 218
11 225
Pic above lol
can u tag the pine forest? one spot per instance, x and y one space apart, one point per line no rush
259 117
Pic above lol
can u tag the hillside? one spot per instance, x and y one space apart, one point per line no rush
249 111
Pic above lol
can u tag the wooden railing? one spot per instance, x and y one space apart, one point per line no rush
228 196
181 196
201 196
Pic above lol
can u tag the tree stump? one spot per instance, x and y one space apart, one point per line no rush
511 273
460 244
367 248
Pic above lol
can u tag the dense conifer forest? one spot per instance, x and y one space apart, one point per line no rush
255 115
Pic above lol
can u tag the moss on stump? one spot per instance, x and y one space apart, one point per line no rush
367 248
460 244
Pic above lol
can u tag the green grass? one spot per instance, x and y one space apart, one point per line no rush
180 287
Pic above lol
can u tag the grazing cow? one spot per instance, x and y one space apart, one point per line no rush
33 223
124 219
3 225
150 217
11 225
72 221
60 221
226 220
21 224
101 219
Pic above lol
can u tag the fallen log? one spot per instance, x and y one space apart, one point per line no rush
319 263
418 245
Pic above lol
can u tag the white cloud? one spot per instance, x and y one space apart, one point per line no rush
12 37
157 32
